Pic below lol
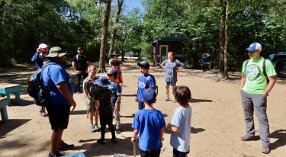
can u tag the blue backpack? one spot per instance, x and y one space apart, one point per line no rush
36 88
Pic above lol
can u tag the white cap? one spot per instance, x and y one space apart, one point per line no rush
42 46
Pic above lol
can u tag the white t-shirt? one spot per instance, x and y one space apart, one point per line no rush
182 120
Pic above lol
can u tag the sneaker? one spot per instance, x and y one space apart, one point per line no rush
92 129
96 128
55 155
265 148
118 131
114 141
101 141
167 99
247 137
65 146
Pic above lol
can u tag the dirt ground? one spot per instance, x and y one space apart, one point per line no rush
217 121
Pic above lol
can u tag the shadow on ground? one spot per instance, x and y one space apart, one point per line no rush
194 100
10 125
280 135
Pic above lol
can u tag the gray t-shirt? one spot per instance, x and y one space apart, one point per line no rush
182 120
171 70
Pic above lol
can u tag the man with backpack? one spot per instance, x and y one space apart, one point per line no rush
60 98
254 91
80 64
145 81
39 58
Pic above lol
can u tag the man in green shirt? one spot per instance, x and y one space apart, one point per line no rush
255 88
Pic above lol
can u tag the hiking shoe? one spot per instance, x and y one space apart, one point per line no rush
114 141
247 137
265 148
101 141
65 146
55 155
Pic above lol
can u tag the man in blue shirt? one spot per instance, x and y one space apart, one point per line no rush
56 78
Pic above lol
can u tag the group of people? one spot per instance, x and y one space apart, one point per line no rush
103 98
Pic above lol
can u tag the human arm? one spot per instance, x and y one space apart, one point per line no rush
242 81
163 64
134 136
272 81
172 128
64 90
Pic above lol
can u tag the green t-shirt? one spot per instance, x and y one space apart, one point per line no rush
256 81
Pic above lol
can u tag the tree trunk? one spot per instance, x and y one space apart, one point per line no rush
104 37
223 41
120 3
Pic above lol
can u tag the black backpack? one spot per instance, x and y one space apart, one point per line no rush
36 88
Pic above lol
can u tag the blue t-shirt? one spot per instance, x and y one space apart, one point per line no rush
182 120
115 90
148 123
38 59
53 75
171 70
145 82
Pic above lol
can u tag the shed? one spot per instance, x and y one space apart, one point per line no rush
163 45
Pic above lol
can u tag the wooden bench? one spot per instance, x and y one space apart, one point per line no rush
7 89
3 104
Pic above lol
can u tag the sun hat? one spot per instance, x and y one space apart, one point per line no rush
102 81
56 52
112 72
254 46
43 46
149 95
144 64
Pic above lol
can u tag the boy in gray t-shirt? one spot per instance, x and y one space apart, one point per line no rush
180 126
171 66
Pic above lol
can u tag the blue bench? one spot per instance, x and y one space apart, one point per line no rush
7 89
3 104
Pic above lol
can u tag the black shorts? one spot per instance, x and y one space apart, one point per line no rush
58 116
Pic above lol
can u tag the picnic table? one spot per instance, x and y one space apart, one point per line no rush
7 89
3 104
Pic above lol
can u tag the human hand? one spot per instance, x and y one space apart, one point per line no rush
133 139
78 72
169 126
73 105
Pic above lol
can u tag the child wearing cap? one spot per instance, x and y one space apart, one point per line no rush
149 124
116 97
89 90
145 80
180 126
103 97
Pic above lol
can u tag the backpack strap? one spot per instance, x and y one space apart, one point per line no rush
264 70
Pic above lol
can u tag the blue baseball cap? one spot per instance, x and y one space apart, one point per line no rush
254 46
149 95
102 81
112 72
144 64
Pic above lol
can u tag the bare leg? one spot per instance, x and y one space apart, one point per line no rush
56 139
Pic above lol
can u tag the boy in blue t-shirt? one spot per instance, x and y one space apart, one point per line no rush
115 88
180 126
149 123
145 81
